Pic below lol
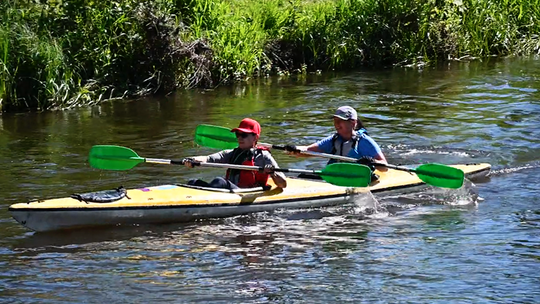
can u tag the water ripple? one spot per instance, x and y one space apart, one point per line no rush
477 244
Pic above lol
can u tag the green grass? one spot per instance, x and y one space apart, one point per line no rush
61 54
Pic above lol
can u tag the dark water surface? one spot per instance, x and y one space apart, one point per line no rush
480 244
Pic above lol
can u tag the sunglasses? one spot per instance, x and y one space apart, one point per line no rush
243 135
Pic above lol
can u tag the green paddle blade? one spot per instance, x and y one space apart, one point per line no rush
113 157
215 137
440 175
346 175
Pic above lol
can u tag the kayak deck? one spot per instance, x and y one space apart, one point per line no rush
165 196
181 203
177 203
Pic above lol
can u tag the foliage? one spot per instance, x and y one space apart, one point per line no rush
60 54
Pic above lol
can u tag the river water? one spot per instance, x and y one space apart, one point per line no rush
478 245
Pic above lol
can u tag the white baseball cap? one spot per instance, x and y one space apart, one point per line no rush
346 113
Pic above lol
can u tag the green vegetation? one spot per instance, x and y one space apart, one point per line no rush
61 54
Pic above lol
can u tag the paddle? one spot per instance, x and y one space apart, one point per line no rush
110 157
433 174
437 175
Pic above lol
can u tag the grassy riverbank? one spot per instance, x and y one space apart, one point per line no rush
56 54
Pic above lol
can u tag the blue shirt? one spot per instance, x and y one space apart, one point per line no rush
364 145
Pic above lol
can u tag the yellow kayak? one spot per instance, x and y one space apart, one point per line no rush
181 203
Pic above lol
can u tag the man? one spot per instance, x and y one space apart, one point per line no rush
247 153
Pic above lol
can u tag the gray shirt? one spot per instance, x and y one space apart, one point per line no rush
260 160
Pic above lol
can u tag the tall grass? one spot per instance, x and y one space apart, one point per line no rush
60 54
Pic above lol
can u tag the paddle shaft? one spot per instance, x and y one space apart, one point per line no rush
226 166
253 168
421 174
163 161
337 157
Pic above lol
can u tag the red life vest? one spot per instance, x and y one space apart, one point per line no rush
247 178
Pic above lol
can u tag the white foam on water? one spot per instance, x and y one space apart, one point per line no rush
467 195
366 200
504 171
438 152
367 205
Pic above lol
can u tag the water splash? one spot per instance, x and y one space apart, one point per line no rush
419 154
510 170
466 196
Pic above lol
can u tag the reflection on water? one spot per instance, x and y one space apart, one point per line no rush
472 245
